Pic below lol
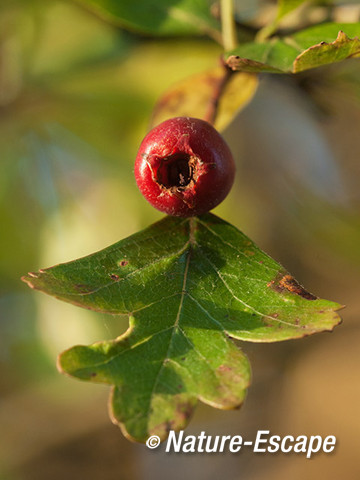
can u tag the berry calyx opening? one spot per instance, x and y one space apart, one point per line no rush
176 171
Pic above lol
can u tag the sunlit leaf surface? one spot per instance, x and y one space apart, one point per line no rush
310 48
187 286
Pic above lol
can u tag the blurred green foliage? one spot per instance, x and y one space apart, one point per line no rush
76 96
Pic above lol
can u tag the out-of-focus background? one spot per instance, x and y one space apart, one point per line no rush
76 96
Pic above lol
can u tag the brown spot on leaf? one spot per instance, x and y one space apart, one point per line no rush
229 374
288 282
93 374
115 277
177 421
123 263
185 411
224 368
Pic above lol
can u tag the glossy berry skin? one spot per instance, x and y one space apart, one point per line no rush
184 167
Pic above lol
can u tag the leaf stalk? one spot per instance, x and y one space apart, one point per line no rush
228 26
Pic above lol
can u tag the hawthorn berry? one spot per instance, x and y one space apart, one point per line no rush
184 167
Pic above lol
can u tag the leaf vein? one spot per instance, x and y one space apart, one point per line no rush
263 315
236 250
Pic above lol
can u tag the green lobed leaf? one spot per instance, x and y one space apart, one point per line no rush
187 286
160 17
309 48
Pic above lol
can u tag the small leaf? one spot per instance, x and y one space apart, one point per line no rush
274 56
160 17
195 97
324 53
283 8
287 6
309 48
187 286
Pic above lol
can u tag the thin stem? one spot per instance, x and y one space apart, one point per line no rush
265 33
228 26
214 100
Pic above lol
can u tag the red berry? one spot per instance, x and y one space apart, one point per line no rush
184 167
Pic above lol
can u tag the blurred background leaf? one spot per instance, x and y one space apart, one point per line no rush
286 6
307 49
160 17
198 96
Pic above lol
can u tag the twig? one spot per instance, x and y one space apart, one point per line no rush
212 110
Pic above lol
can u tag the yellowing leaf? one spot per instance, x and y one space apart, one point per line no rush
324 53
196 96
